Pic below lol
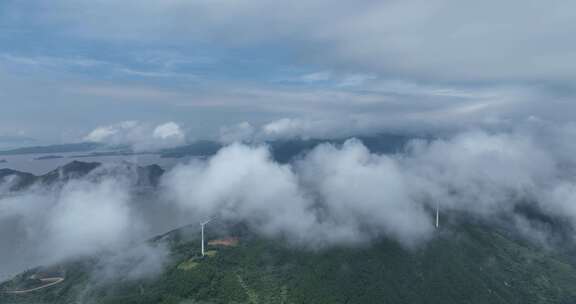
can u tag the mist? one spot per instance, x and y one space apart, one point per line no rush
346 194
99 215
334 195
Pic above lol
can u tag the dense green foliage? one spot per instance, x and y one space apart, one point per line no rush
472 265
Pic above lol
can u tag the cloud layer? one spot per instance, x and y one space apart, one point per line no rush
335 195
90 216
140 136
347 194
388 64
489 40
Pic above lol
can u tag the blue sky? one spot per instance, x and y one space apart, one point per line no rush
303 68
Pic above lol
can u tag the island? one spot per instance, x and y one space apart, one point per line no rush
45 157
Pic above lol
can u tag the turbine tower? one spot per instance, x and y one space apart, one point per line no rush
202 229
437 215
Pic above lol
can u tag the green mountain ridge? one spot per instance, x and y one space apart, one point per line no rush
464 263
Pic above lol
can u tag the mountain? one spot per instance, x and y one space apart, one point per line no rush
284 151
72 170
46 157
16 180
198 148
465 263
64 148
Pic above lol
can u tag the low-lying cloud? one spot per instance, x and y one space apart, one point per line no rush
347 194
488 40
341 194
293 128
140 136
94 215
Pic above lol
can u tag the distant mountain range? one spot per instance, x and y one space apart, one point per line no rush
18 181
282 150
63 148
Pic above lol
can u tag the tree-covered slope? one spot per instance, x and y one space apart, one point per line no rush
468 264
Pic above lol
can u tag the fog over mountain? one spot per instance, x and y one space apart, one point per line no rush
334 195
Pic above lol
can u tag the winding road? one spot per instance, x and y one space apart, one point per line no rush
49 281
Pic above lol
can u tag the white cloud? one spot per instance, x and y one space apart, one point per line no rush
288 128
92 216
316 77
169 130
111 132
346 194
362 191
334 195
355 80
140 136
285 128
416 63
242 132
444 39
230 185
478 172
76 223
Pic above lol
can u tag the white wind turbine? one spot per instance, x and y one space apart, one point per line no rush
202 224
437 215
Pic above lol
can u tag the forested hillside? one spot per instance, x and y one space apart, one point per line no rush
472 264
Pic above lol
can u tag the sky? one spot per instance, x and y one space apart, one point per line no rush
222 68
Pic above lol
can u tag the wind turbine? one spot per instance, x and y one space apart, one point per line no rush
437 215
202 224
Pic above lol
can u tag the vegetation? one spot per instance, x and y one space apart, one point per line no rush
474 265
